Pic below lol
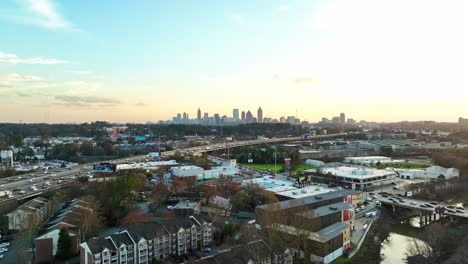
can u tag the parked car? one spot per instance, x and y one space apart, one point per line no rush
422 205
206 249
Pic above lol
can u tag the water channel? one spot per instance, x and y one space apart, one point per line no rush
395 249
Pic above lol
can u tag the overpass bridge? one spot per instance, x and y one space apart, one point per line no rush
427 211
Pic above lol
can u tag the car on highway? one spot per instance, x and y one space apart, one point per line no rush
422 205
460 211
413 203
460 208
401 201
433 203
429 205
450 210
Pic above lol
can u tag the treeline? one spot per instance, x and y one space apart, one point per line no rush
264 154
457 158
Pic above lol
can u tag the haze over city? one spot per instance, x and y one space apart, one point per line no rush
81 61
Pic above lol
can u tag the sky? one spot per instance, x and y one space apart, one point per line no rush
140 61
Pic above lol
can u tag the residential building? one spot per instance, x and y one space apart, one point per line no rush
141 242
29 214
70 217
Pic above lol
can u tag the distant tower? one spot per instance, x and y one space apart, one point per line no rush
249 117
260 115
235 114
342 118
199 114
243 116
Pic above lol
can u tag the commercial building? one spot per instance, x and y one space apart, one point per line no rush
316 228
186 171
357 177
372 160
28 214
433 172
141 242
260 115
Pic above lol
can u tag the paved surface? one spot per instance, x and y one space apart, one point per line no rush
410 203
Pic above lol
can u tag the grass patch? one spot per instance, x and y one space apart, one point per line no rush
409 165
266 167
302 167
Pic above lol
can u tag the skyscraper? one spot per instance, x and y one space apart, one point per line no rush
243 116
217 119
342 118
249 117
235 114
199 114
260 115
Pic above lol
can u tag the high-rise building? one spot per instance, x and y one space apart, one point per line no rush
185 116
291 120
217 119
243 116
235 114
179 117
260 115
249 117
342 118
282 120
199 114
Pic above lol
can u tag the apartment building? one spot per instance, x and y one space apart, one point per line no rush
141 242
70 217
29 214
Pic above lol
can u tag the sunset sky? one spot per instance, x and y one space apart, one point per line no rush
139 61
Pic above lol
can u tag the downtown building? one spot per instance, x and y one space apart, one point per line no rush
142 242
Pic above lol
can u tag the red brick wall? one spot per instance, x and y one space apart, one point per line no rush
44 250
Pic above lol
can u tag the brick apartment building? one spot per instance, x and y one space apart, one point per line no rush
28 214
141 242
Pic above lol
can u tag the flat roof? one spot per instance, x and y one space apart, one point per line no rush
295 193
306 200
326 210
357 172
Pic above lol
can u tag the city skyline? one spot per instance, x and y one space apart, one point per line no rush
62 63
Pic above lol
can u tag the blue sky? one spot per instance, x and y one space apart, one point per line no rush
137 61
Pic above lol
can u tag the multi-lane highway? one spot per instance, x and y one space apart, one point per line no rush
420 205
22 186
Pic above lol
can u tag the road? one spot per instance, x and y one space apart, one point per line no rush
21 187
419 205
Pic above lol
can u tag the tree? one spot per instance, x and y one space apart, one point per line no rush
132 218
241 201
91 220
64 245
159 195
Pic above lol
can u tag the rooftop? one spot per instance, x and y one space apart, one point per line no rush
326 210
306 200
321 236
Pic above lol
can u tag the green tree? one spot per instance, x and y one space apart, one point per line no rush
64 245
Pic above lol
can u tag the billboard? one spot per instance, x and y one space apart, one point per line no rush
140 138
104 167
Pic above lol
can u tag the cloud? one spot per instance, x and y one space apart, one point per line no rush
86 100
140 104
42 13
14 59
81 72
306 80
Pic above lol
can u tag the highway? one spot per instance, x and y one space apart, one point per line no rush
21 186
421 205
